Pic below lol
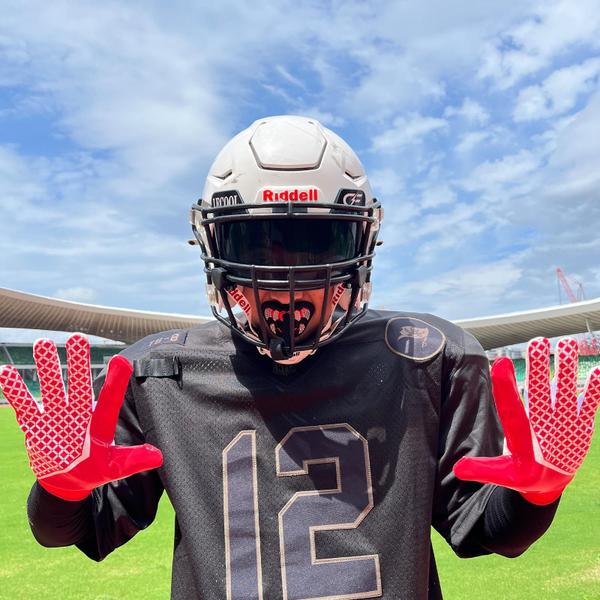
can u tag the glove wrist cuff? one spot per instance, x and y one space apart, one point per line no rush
542 498
70 495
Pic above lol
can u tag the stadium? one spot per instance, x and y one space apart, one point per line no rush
500 335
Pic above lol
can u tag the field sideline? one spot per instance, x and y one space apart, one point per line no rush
564 564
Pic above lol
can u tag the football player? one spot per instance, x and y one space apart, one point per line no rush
307 444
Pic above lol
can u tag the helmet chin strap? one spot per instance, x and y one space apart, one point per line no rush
295 358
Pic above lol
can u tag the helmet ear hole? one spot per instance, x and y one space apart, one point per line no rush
218 275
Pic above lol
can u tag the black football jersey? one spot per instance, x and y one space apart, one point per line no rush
316 480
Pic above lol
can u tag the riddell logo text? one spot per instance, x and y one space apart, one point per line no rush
341 288
241 300
291 195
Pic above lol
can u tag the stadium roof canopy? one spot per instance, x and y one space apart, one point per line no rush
518 327
29 311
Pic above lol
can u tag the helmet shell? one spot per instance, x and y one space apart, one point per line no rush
287 153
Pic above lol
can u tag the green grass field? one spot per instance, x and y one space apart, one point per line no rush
564 564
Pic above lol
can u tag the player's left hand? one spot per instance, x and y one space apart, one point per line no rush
548 440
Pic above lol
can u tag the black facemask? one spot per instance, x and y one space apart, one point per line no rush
290 248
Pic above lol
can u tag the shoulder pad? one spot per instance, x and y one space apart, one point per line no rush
163 338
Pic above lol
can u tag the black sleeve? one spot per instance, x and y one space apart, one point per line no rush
112 514
477 519
510 524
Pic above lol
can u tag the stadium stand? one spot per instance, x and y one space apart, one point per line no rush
519 369
29 311
586 364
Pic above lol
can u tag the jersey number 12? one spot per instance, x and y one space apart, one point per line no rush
303 575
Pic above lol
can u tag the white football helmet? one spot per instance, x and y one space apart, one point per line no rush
287 206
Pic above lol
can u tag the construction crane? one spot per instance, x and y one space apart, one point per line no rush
588 345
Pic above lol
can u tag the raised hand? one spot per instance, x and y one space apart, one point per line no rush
69 443
548 440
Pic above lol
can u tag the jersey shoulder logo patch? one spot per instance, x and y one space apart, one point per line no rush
413 338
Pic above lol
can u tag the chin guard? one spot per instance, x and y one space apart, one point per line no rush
277 349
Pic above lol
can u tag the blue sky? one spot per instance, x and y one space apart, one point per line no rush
478 123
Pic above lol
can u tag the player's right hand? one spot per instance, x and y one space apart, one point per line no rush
69 441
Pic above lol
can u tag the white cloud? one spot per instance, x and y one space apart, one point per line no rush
407 53
491 280
558 93
280 92
469 110
392 82
387 182
550 30
509 170
20 187
452 231
122 84
429 232
68 242
289 77
76 294
437 195
468 141
572 174
328 119
468 291
407 131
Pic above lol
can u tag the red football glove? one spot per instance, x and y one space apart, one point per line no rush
547 444
70 445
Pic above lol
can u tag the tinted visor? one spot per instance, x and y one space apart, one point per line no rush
289 242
